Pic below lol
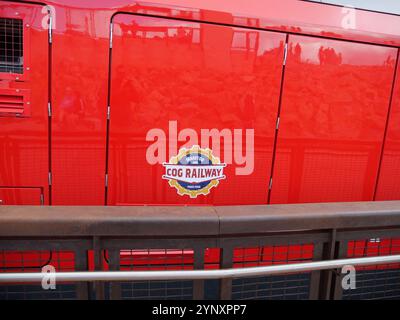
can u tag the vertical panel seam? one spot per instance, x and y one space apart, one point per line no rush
386 127
270 186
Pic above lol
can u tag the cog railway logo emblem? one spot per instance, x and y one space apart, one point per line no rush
194 171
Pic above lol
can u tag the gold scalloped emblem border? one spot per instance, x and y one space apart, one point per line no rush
194 193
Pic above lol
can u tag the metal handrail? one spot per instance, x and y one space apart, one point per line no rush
197 274
198 221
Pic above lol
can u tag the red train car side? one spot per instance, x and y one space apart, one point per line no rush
194 103
116 89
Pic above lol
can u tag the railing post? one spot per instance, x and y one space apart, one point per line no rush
329 253
198 285
114 265
337 290
226 258
98 266
81 264
315 282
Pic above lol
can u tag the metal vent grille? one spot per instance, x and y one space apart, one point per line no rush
11 45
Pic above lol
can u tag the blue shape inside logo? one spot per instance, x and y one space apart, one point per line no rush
195 159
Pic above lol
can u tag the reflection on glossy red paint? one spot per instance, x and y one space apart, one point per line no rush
79 120
204 76
333 116
239 66
388 186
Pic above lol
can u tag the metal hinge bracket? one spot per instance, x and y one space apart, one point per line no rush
50 29
285 54
111 35
49 109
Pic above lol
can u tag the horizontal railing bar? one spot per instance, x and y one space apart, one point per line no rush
198 221
197 274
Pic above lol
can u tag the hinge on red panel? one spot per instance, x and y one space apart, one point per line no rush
270 184
49 109
50 29
50 179
108 112
277 123
111 35
106 182
285 54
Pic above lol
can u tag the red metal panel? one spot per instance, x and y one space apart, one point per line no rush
24 139
79 100
203 77
20 196
333 115
388 185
